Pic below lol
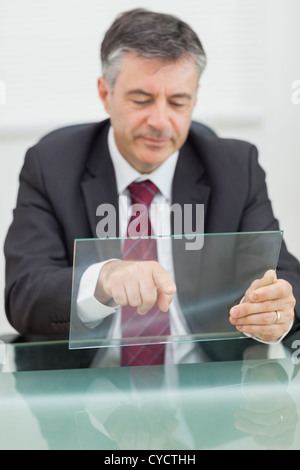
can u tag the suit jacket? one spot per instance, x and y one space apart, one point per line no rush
69 173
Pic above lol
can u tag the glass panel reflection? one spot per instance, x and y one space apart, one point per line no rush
211 273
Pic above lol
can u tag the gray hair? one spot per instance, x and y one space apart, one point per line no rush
151 35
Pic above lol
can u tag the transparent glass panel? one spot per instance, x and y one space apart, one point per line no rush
211 273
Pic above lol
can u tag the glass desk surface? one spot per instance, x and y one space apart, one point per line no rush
248 397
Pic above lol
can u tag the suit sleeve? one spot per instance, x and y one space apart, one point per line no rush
258 216
38 271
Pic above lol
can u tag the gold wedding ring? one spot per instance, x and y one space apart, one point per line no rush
278 318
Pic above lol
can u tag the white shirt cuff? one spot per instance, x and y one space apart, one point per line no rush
90 311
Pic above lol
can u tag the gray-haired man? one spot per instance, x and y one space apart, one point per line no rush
151 69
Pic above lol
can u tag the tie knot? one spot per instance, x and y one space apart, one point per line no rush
142 192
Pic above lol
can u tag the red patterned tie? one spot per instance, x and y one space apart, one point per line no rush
155 322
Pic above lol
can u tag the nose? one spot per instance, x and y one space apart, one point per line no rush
158 116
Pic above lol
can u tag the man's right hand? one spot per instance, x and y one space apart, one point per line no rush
136 283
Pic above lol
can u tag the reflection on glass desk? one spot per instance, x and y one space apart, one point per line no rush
55 398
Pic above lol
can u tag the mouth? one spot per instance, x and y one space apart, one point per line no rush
154 142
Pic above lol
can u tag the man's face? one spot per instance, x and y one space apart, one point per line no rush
150 108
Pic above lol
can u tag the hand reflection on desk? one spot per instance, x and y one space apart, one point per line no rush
139 419
150 427
269 413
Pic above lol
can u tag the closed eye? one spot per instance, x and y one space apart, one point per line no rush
142 101
177 105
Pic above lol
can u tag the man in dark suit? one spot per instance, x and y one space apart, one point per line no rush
151 68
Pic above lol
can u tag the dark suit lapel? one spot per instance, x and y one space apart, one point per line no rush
99 184
99 188
190 187
189 184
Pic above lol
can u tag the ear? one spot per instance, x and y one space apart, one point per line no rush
104 93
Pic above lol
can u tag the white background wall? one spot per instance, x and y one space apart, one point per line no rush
49 66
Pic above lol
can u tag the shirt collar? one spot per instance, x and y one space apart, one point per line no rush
162 177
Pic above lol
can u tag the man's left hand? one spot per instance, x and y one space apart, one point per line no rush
267 310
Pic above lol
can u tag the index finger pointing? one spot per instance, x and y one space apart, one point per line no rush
163 281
